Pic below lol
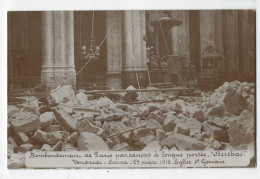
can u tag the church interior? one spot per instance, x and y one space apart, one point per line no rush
161 48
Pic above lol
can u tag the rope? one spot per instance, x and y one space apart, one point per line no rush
148 71
80 46
110 28
82 67
137 78
92 28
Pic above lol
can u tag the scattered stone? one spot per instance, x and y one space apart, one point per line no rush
57 147
199 115
153 106
28 124
21 138
217 145
68 147
9 129
194 126
12 109
110 117
152 146
160 134
215 132
16 161
168 123
91 142
77 116
86 126
54 137
241 130
53 128
46 147
153 125
46 119
143 110
234 102
178 106
40 136
182 142
130 95
12 142
25 147
121 147
181 128
10 150
103 102
88 116
82 98
173 149
65 120
141 137
156 115
62 94
216 111
201 136
220 122
73 138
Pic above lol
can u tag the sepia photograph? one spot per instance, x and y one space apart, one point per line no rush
116 88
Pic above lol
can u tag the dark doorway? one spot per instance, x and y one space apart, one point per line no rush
24 49
194 34
95 71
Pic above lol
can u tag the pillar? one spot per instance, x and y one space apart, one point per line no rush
180 34
58 48
230 40
210 34
134 49
114 53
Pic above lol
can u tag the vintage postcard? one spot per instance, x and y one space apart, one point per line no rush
131 89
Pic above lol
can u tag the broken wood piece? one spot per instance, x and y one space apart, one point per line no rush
84 109
129 130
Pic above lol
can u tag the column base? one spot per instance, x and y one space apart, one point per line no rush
130 78
52 77
114 81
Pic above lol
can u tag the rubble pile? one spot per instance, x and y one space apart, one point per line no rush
67 121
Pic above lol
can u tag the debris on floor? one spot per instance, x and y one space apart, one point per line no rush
68 121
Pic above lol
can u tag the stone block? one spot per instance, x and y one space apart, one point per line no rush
28 124
182 142
65 120
46 119
91 142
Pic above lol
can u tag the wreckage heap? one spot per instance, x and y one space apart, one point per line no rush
223 119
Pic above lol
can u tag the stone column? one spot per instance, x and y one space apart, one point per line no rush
58 48
210 34
230 40
114 53
48 48
180 34
134 49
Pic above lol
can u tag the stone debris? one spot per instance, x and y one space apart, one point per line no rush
89 142
241 130
65 120
46 119
62 94
182 142
25 123
199 115
222 119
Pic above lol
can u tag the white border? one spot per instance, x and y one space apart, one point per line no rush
25 5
